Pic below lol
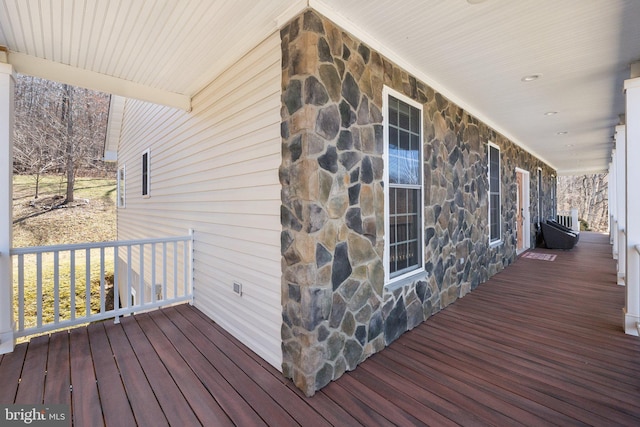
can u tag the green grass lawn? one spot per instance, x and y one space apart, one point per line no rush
44 221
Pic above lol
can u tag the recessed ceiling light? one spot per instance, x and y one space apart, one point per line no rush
564 132
569 145
531 77
550 113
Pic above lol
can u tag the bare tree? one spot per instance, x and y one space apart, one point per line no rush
59 129
588 194
37 129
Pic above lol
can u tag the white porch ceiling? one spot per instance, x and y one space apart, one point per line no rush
165 51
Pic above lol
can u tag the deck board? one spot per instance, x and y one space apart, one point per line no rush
10 371
204 405
113 397
174 404
57 387
33 372
226 364
231 401
540 343
85 399
144 404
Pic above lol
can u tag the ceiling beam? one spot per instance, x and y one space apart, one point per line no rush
38 67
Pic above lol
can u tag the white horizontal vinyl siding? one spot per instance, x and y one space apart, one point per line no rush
215 170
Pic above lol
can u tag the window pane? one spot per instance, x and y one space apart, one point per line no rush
393 257
393 111
402 263
403 143
145 174
415 120
412 252
412 203
415 142
402 228
403 115
406 162
401 201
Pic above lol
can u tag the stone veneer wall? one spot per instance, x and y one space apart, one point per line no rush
336 309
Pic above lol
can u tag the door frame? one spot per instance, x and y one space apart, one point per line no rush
526 208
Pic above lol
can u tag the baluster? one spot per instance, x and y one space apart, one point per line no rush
116 276
164 270
87 284
185 267
153 272
175 269
141 284
72 283
129 276
102 283
21 292
39 289
56 286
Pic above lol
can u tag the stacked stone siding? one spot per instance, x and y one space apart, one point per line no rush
336 308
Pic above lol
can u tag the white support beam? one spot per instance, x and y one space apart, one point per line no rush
7 81
38 67
612 203
620 200
632 214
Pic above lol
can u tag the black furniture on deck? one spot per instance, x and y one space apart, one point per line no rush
557 236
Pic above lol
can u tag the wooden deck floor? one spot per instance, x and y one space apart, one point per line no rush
539 344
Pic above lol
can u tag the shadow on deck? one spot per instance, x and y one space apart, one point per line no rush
540 343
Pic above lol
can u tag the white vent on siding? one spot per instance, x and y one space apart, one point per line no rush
237 288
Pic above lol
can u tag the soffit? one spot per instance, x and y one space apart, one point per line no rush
474 54
133 46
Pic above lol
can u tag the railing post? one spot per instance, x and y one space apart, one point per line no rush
631 310
621 180
611 193
614 232
7 339
190 266
575 222
621 256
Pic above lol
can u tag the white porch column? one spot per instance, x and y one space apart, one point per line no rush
611 193
632 215
621 188
6 204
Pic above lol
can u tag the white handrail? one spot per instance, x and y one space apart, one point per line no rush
67 279
96 245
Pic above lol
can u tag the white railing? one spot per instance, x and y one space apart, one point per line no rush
569 219
106 280
614 232
622 256
637 247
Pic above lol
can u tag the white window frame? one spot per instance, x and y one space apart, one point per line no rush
121 187
494 242
419 269
146 194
